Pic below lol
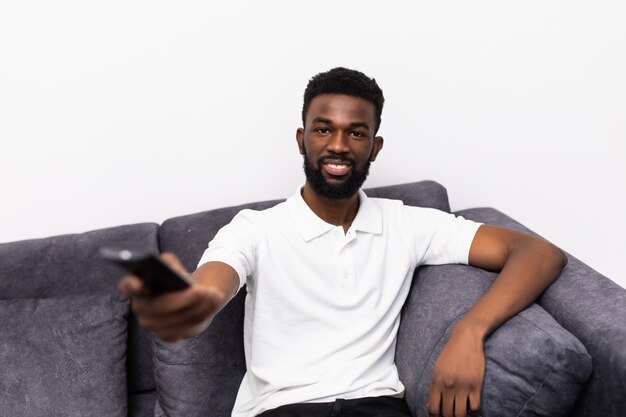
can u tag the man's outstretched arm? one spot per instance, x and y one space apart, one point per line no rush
180 314
527 265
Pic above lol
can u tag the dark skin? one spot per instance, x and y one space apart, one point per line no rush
344 125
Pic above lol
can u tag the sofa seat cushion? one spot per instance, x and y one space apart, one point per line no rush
534 367
63 356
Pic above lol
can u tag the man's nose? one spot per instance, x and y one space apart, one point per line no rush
338 143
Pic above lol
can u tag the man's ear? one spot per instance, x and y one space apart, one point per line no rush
378 145
300 139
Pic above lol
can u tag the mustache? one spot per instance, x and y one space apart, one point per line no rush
336 156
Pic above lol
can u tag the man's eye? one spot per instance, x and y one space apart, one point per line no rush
358 134
322 130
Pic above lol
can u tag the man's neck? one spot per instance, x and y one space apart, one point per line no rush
337 212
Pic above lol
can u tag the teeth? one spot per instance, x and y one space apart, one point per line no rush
337 165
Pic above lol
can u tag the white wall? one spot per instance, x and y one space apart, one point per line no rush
116 112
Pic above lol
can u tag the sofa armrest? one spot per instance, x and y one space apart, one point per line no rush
593 308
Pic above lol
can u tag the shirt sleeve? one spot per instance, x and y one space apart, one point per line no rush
440 237
235 244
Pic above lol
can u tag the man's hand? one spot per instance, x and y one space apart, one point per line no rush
174 315
458 375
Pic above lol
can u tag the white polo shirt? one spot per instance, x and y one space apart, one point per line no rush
323 306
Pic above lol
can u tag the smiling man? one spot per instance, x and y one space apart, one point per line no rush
327 273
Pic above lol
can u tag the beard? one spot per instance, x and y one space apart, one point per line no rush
355 180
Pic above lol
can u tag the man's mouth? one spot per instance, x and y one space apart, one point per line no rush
337 168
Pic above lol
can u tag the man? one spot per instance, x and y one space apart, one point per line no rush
327 273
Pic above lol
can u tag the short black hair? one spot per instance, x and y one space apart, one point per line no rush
344 81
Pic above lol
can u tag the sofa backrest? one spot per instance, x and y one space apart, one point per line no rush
67 265
188 236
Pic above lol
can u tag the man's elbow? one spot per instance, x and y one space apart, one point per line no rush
554 256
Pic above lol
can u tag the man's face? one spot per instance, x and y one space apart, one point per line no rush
338 144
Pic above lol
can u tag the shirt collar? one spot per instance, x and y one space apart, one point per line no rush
368 218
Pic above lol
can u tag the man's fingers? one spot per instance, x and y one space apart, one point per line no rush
162 305
434 402
173 262
131 286
460 405
172 327
474 402
192 314
447 404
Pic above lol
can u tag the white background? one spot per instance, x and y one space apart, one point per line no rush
115 112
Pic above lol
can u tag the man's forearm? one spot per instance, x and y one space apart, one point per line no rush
220 280
529 268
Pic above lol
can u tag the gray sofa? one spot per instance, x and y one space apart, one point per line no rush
70 347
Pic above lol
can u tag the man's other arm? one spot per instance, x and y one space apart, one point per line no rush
527 266
180 314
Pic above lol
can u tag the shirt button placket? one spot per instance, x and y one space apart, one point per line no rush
339 240
346 276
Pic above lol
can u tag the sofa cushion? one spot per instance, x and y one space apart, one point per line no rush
65 265
200 376
534 367
63 356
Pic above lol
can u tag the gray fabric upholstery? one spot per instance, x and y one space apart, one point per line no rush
142 404
534 366
200 376
593 308
187 371
67 265
63 357
421 194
